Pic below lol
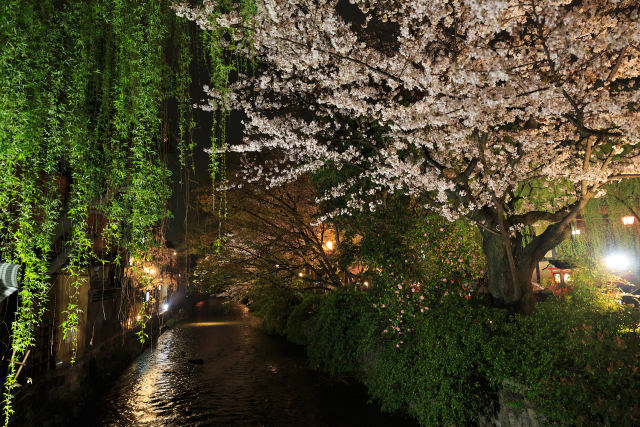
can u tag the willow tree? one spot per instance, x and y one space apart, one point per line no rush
461 101
83 89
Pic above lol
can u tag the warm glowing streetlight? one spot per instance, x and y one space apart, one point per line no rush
300 274
366 284
617 261
330 245
628 220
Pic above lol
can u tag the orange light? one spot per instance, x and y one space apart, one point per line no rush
330 245
628 220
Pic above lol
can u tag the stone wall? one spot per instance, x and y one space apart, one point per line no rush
513 409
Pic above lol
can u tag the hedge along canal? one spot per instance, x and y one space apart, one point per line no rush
219 368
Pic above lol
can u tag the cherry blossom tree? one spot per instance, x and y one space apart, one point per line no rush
465 103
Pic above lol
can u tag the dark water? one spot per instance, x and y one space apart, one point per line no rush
219 368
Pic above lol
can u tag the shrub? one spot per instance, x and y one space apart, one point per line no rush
273 305
300 321
578 356
442 355
337 331
435 366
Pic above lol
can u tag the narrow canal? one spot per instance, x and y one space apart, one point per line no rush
218 368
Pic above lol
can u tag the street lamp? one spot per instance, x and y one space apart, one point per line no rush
617 261
330 245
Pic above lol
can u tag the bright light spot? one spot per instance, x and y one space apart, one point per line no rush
164 307
146 296
138 317
159 287
300 274
131 260
146 269
366 284
152 270
575 231
628 220
330 245
174 253
617 261
200 324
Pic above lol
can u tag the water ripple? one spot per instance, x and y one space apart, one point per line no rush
219 369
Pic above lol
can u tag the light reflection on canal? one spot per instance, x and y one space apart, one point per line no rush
219 368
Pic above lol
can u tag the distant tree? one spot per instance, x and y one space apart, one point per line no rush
462 102
604 231
269 237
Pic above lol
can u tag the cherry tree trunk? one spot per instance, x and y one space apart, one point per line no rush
516 295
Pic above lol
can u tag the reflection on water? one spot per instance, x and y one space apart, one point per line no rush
218 368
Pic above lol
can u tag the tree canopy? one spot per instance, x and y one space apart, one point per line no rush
462 102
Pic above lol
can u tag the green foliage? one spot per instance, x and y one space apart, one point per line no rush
399 237
273 304
301 320
605 231
577 357
446 250
442 260
543 194
338 328
228 52
82 86
435 367
141 323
